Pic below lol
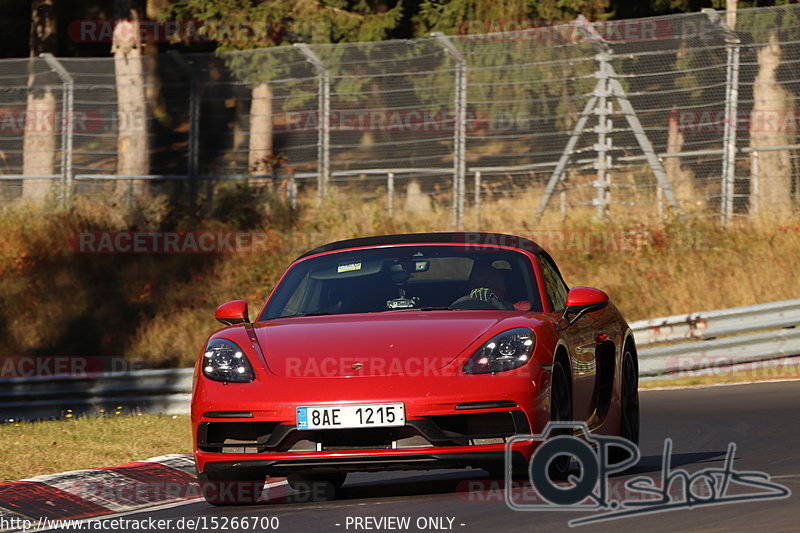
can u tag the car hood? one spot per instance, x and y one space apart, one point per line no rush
374 344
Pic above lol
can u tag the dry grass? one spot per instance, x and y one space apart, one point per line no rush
159 308
36 448
698 268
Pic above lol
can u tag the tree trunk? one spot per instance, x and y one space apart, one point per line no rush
771 106
260 153
730 13
133 155
679 177
39 143
416 201
260 129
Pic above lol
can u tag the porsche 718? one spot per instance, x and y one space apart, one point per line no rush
406 352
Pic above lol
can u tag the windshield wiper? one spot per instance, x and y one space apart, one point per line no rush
430 308
304 314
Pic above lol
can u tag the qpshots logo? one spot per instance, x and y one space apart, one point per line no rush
594 490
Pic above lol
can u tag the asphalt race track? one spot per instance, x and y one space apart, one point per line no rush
762 419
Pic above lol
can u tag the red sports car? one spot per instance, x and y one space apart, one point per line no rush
403 352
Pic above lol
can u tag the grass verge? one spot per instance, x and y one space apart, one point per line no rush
780 369
52 446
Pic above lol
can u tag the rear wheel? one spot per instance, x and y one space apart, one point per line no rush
560 411
220 488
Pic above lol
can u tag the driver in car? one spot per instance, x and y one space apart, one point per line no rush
488 284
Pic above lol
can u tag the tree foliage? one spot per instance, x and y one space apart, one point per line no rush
278 23
293 21
456 16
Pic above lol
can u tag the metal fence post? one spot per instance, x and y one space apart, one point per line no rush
754 192
194 122
459 127
68 124
477 198
292 191
732 42
324 103
390 192
660 203
729 159
603 162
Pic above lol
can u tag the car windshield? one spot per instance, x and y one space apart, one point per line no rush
416 277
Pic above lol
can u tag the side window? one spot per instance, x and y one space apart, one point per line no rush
555 286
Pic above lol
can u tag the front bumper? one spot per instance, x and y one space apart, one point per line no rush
450 422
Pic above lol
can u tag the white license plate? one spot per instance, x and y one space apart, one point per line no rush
351 416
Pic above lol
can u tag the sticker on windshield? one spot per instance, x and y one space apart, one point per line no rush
349 267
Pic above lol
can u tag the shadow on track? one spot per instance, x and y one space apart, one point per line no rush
463 481
653 463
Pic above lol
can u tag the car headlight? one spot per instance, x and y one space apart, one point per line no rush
506 351
223 360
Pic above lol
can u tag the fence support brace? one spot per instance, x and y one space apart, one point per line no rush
607 86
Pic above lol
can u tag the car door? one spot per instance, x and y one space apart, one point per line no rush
581 343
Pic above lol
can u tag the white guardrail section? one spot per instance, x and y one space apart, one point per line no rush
151 391
710 339
666 346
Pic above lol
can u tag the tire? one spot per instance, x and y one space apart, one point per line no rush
221 489
560 411
629 404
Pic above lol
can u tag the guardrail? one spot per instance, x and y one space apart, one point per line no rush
717 338
667 345
165 391
711 324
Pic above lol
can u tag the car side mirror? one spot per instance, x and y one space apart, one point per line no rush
582 300
233 312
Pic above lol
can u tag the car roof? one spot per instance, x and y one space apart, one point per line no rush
478 238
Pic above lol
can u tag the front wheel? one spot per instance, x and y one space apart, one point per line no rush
629 405
560 411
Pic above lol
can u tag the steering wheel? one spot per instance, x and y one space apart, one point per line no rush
468 302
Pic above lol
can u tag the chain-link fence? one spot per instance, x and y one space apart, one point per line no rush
677 113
